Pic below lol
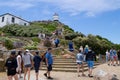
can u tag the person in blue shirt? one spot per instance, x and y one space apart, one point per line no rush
115 57
49 63
71 46
56 41
37 61
111 57
79 61
86 49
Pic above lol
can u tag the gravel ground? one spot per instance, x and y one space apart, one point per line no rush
72 76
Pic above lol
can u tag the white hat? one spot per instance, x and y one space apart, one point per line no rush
27 50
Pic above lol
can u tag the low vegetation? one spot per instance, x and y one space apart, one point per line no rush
96 42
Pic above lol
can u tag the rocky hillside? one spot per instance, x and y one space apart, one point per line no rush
58 29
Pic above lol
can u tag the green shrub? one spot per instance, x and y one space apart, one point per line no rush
31 47
36 39
64 42
8 44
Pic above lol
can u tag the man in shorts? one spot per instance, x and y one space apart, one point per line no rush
49 63
79 61
37 61
11 65
90 57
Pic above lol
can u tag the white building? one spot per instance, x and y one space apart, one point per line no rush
8 18
55 17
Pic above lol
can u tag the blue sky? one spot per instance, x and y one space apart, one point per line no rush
97 17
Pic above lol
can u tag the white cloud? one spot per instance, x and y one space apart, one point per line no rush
17 5
91 7
74 7
90 14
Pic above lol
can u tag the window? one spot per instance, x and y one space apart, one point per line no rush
25 24
2 19
13 20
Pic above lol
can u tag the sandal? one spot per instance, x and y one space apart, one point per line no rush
78 75
83 75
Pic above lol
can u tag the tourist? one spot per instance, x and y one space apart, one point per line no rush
56 41
71 48
27 61
81 48
49 62
111 57
90 57
119 57
11 65
86 49
19 62
115 57
37 61
107 56
79 61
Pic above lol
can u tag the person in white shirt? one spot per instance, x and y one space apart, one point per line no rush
81 48
107 56
19 61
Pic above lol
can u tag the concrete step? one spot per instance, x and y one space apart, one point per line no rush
68 66
64 61
65 69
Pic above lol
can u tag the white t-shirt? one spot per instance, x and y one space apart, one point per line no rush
107 53
79 57
19 57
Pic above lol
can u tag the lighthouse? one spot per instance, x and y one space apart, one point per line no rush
55 17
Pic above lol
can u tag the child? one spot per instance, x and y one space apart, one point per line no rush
79 60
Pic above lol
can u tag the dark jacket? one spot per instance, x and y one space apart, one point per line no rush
90 56
11 64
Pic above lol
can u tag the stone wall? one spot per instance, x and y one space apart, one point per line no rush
2 67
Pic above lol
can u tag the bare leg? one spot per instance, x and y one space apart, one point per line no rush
28 73
48 73
90 71
16 77
9 77
25 72
19 74
82 70
78 69
37 75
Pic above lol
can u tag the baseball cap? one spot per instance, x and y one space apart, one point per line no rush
27 50
13 52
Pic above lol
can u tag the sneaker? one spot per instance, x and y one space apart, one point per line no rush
50 78
83 75
90 75
45 75
78 75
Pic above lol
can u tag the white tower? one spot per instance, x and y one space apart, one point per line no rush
55 17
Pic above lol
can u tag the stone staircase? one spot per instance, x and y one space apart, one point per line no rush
66 65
